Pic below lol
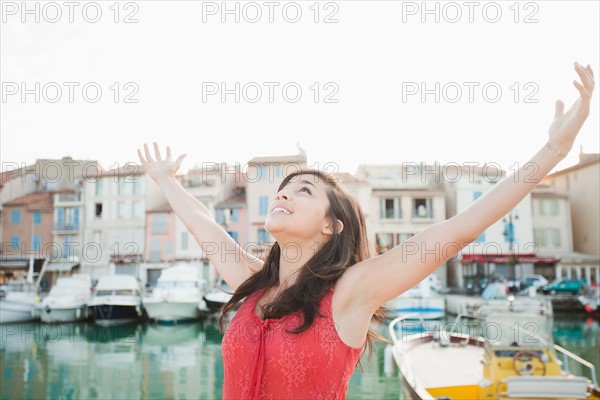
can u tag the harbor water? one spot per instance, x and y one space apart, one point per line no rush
148 361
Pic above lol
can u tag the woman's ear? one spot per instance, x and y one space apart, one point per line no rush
328 229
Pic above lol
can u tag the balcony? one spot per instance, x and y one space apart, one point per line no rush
65 228
67 199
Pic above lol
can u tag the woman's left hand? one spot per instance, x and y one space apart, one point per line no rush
566 126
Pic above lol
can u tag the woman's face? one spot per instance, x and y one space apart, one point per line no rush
300 210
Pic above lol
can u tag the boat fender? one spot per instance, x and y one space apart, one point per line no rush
138 310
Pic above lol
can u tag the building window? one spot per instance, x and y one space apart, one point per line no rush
235 215
155 248
67 218
98 210
403 237
263 236
137 186
138 209
14 242
234 235
122 209
539 237
68 250
263 205
554 237
37 242
422 208
16 217
385 241
99 187
390 208
549 207
184 240
122 188
262 172
159 223
37 218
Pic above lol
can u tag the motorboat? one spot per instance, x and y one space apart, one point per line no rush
514 357
422 301
21 297
591 303
218 297
117 300
176 297
67 301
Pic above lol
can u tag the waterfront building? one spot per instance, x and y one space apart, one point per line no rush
404 199
504 250
579 185
115 203
263 176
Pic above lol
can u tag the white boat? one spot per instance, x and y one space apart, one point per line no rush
67 300
218 297
420 302
18 307
176 297
117 300
21 297
515 358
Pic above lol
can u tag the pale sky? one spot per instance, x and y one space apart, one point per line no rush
372 61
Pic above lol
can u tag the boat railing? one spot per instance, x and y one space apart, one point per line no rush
566 355
403 318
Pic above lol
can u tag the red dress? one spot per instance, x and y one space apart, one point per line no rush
261 360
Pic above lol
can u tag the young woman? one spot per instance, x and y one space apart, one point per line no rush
306 309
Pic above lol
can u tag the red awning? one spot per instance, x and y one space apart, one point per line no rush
505 258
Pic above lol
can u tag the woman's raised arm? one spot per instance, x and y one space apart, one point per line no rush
233 264
382 278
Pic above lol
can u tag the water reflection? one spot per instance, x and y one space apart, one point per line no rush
581 336
72 361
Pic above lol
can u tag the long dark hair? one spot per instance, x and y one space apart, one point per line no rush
344 249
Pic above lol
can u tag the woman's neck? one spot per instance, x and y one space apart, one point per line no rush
294 255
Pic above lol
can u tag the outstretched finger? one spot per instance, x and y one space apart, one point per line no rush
586 77
147 152
168 153
585 94
179 160
559 108
157 152
142 160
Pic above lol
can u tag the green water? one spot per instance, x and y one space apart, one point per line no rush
84 361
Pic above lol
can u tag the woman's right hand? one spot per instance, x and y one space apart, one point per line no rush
157 167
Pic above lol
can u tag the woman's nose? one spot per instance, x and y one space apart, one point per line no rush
282 195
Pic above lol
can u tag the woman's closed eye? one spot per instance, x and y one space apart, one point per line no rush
306 189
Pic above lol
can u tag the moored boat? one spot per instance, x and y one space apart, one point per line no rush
218 297
18 303
117 300
421 302
176 296
515 357
591 303
67 300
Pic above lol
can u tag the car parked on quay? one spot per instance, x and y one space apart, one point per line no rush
566 285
